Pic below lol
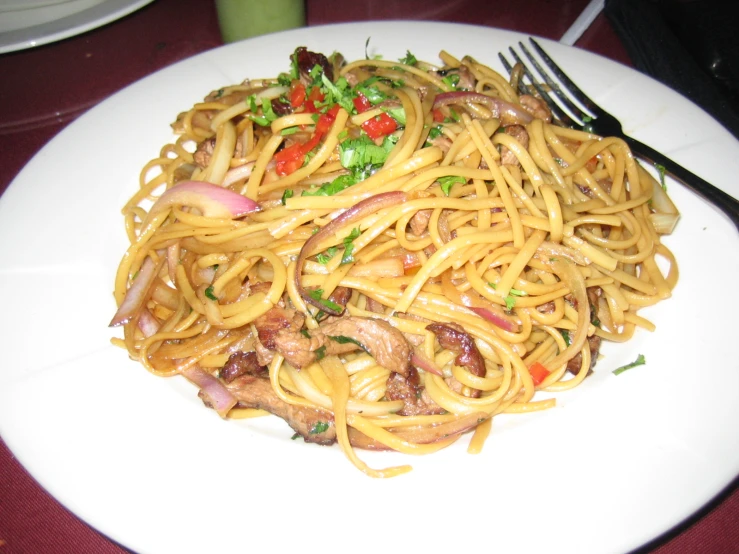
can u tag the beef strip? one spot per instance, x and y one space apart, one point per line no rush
519 133
408 389
453 337
573 366
307 60
241 363
313 424
380 339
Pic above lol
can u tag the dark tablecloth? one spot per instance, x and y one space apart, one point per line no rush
43 89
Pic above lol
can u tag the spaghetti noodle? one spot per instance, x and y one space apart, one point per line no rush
386 254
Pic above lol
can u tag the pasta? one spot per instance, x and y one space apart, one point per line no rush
386 254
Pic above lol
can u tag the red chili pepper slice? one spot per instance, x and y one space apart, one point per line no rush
379 126
538 373
361 103
297 94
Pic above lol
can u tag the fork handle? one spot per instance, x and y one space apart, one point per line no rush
725 202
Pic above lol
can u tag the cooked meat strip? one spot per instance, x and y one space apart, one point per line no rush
453 337
420 221
340 296
313 424
281 107
307 60
408 389
241 363
573 366
536 107
594 341
375 306
276 320
203 152
519 133
381 340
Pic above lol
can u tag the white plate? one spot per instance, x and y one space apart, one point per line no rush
25 24
619 461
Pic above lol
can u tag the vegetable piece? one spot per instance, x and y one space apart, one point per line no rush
538 373
298 94
211 200
507 112
379 126
214 392
448 181
640 360
355 213
361 103
137 293
348 241
290 159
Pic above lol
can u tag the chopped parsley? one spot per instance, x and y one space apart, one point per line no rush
318 293
448 181
339 92
209 293
408 59
341 339
662 170
349 246
566 335
451 80
320 353
640 360
324 257
268 114
319 427
510 300
287 194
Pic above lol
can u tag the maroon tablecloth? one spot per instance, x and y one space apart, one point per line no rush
43 89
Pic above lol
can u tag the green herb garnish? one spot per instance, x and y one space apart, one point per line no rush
448 181
408 59
324 257
319 427
318 293
640 360
349 246
209 293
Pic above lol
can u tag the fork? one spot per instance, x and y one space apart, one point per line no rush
598 121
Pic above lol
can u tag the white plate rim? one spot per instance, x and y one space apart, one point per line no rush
66 27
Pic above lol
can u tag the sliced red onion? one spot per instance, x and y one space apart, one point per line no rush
137 293
212 200
360 210
494 318
148 324
420 361
214 392
238 173
508 113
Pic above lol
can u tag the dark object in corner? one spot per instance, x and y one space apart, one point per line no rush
692 46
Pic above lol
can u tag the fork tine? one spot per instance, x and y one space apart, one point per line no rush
558 113
554 87
579 95
521 86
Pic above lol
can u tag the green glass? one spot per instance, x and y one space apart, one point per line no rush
240 19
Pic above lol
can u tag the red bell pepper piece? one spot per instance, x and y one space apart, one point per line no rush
379 126
297 94
538 373
361 103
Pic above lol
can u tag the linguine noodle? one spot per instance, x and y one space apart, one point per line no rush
401 251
